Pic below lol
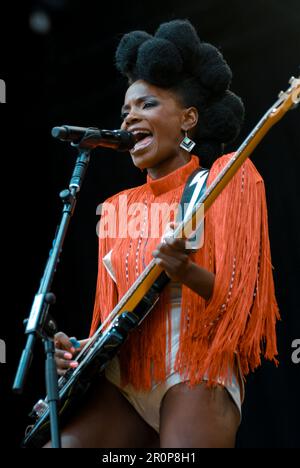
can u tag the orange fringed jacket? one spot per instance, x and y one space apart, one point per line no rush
240 317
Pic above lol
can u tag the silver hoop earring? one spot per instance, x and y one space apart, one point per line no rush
187 144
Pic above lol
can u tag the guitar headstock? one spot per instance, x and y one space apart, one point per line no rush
288 99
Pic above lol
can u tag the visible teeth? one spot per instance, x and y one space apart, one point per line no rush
143 132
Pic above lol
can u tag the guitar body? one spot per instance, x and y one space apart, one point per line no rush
74 385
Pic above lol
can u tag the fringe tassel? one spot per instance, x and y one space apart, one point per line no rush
240 317
242 311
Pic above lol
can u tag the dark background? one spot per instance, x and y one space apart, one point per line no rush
67 76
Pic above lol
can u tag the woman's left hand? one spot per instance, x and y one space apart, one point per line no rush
171 255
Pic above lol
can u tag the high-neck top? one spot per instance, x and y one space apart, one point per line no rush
174 179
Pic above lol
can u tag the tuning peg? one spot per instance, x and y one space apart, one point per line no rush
292 80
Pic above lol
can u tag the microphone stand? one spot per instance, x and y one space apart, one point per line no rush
40 324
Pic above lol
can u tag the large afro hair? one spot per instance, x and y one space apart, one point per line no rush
174 58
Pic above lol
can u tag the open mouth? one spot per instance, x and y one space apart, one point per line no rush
143 139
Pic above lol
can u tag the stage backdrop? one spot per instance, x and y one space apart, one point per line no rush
60 70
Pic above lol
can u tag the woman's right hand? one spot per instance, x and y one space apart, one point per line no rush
65 353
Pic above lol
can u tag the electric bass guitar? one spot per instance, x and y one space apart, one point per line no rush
143 295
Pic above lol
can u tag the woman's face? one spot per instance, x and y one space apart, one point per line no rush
158 119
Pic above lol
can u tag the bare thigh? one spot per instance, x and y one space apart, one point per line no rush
198 417
107 420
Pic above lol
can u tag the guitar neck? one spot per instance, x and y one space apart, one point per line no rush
185 229
286 101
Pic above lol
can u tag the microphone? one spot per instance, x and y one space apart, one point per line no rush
91 137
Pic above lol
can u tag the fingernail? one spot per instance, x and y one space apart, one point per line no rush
75 342
68 356
74 364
